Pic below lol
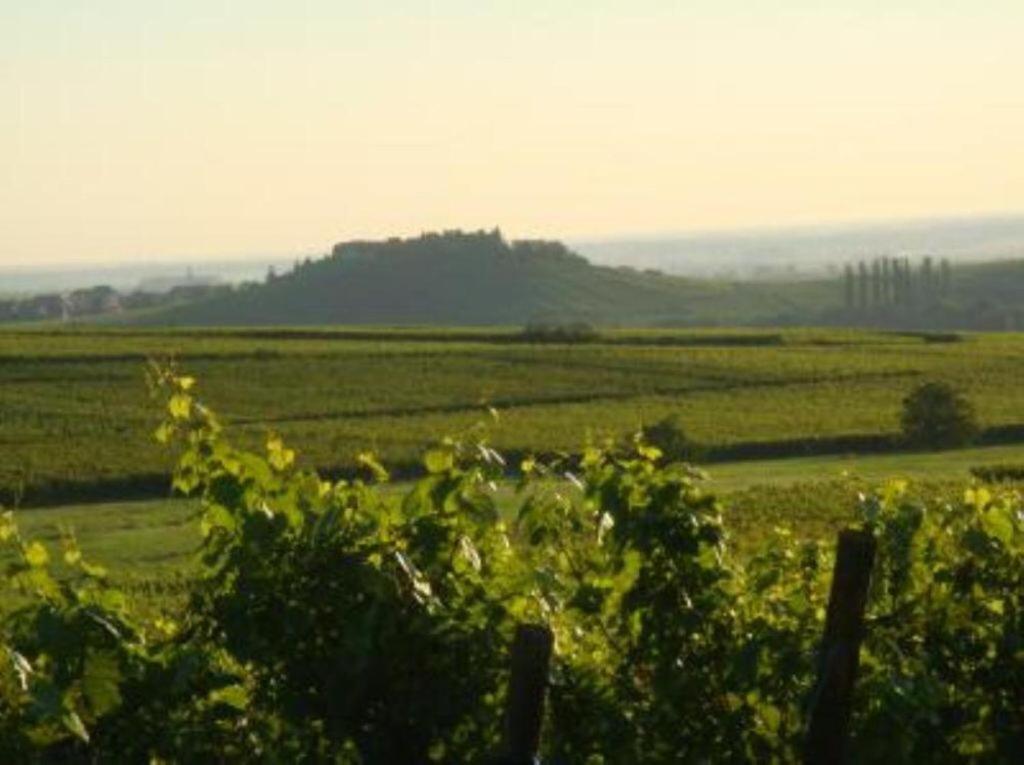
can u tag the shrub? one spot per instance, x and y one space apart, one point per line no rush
669 437
572 332
936 416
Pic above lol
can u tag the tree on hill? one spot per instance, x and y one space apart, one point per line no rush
945 277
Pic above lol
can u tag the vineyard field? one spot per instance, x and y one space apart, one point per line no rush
76 419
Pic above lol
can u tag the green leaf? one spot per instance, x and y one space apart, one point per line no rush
649 453
96 572
978 497
217 516
279 457
997 523
438 460
234 696
8 528
163 433
185 483
22 668
36 555
369 461
469 552
101 678
180 406
770 716
74 724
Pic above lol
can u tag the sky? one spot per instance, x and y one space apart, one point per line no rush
147 129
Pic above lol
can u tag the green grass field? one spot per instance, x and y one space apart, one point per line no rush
952 466
75 412
151 540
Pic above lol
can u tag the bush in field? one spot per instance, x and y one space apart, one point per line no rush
669 437
936 416
571 332
331 623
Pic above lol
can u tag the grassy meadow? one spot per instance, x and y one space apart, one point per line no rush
151 541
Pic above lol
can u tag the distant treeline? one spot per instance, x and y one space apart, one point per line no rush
896 293
889 282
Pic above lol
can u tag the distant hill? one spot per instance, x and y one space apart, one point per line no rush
479 278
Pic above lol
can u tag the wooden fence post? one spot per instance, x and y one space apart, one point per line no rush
524 706
831 705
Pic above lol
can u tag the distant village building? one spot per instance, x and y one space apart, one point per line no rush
94 300
42 307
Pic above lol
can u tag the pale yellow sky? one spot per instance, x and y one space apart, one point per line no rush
141 128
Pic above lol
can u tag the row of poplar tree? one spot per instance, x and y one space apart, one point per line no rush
893 281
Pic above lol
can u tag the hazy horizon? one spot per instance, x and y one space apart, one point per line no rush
232 128
744 253
165 261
